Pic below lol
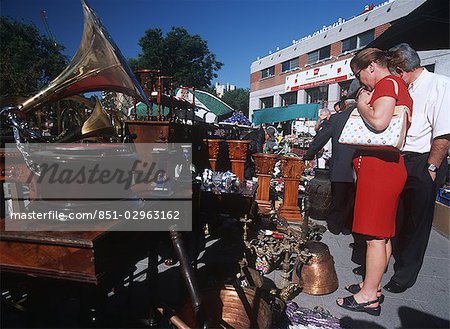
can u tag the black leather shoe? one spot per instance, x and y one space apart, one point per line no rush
360 270
394 287
355 288
351 304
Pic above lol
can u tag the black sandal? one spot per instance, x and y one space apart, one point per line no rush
349 303
355 288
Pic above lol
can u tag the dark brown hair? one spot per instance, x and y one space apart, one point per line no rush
366 56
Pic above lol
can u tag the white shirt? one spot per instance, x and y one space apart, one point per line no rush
431 111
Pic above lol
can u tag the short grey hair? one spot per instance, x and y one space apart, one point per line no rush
404 57
325 111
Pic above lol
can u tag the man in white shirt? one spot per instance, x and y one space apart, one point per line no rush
425 154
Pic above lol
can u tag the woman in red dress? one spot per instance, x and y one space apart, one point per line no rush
381 176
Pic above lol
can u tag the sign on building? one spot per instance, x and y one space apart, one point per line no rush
326 74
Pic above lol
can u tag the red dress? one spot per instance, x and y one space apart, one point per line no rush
381 176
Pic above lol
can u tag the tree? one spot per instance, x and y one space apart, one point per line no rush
238 99
28 60
116 102
178 54
211 90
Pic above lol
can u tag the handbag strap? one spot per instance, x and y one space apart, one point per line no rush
399 108
395 86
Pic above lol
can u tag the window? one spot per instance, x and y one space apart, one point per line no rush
349 44
289 98
313 57
319 54
270 71
318 95
358 41
266 102
289 65
365 38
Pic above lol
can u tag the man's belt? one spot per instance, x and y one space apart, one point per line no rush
411 155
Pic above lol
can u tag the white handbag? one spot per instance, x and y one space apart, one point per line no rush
359 134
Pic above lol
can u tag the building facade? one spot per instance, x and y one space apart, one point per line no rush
221 89
316 68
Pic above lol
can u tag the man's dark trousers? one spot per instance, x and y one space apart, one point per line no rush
415 217
340 218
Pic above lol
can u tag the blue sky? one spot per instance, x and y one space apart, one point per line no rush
237 31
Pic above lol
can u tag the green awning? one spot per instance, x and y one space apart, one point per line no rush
213 103
210 103
291 112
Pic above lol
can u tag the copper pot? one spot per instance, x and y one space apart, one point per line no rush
228 308
317 276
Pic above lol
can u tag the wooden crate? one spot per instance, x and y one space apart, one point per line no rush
441 220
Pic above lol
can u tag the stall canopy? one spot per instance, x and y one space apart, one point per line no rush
291 112
208 108
206 103
425 28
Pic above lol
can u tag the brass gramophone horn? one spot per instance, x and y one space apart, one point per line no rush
98 122
97 65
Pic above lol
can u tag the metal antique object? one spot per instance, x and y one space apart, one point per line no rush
98 122
231 307
318 192
97 65
316 274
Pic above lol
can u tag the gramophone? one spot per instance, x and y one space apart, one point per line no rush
98 65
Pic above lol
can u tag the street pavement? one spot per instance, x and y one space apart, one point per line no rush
425 305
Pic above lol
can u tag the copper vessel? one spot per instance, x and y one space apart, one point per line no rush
238 150
231 308
317 275
264 164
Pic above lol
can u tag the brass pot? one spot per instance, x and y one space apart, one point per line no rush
228 308
317 276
